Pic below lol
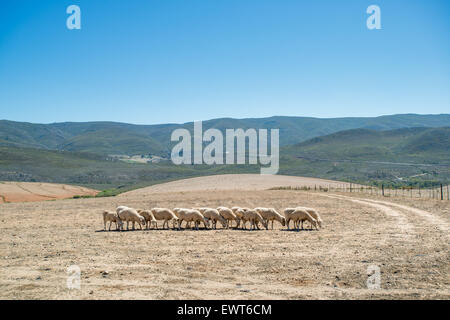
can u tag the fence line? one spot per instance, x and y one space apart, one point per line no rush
439 193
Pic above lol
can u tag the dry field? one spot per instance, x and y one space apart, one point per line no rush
37 191
407 240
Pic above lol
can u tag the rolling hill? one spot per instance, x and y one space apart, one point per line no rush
121 138
416 145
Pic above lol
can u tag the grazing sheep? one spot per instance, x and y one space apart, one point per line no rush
313 212
253 216
180 213
229 216
190 215
288 216
111 217
166 215
214 216
270 214
149 218
238 213
300 215
130 214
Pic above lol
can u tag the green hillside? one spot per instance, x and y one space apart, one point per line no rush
122 138
408 156
95 171
416 145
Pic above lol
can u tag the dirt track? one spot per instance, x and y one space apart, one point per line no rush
37 191
407 241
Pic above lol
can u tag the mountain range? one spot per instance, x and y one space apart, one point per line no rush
397 149
129 139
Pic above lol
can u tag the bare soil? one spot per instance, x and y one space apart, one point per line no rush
40 240
37 191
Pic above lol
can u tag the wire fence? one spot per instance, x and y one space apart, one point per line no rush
439 193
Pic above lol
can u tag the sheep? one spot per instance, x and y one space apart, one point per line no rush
270 214
180 213
238 214
229 216
111 217
149 218
313 212
120 208
214 216
253 216
130 214
190 215
299 215
288 216
166 215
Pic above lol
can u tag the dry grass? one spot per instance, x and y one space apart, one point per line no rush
40 240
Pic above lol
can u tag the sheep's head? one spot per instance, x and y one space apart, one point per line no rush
142 220
283 221
223 222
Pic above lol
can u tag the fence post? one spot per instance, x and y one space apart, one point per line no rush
382 189
442 194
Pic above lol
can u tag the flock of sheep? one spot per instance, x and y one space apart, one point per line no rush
210 216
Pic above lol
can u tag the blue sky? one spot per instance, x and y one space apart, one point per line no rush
176 60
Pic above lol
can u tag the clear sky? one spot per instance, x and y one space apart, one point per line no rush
160 61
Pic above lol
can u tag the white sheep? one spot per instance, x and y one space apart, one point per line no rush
300 215
166 215
313 212
131 215
190 215
252 216
149 218
213 215
111 217
238 212
270 214
229 216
